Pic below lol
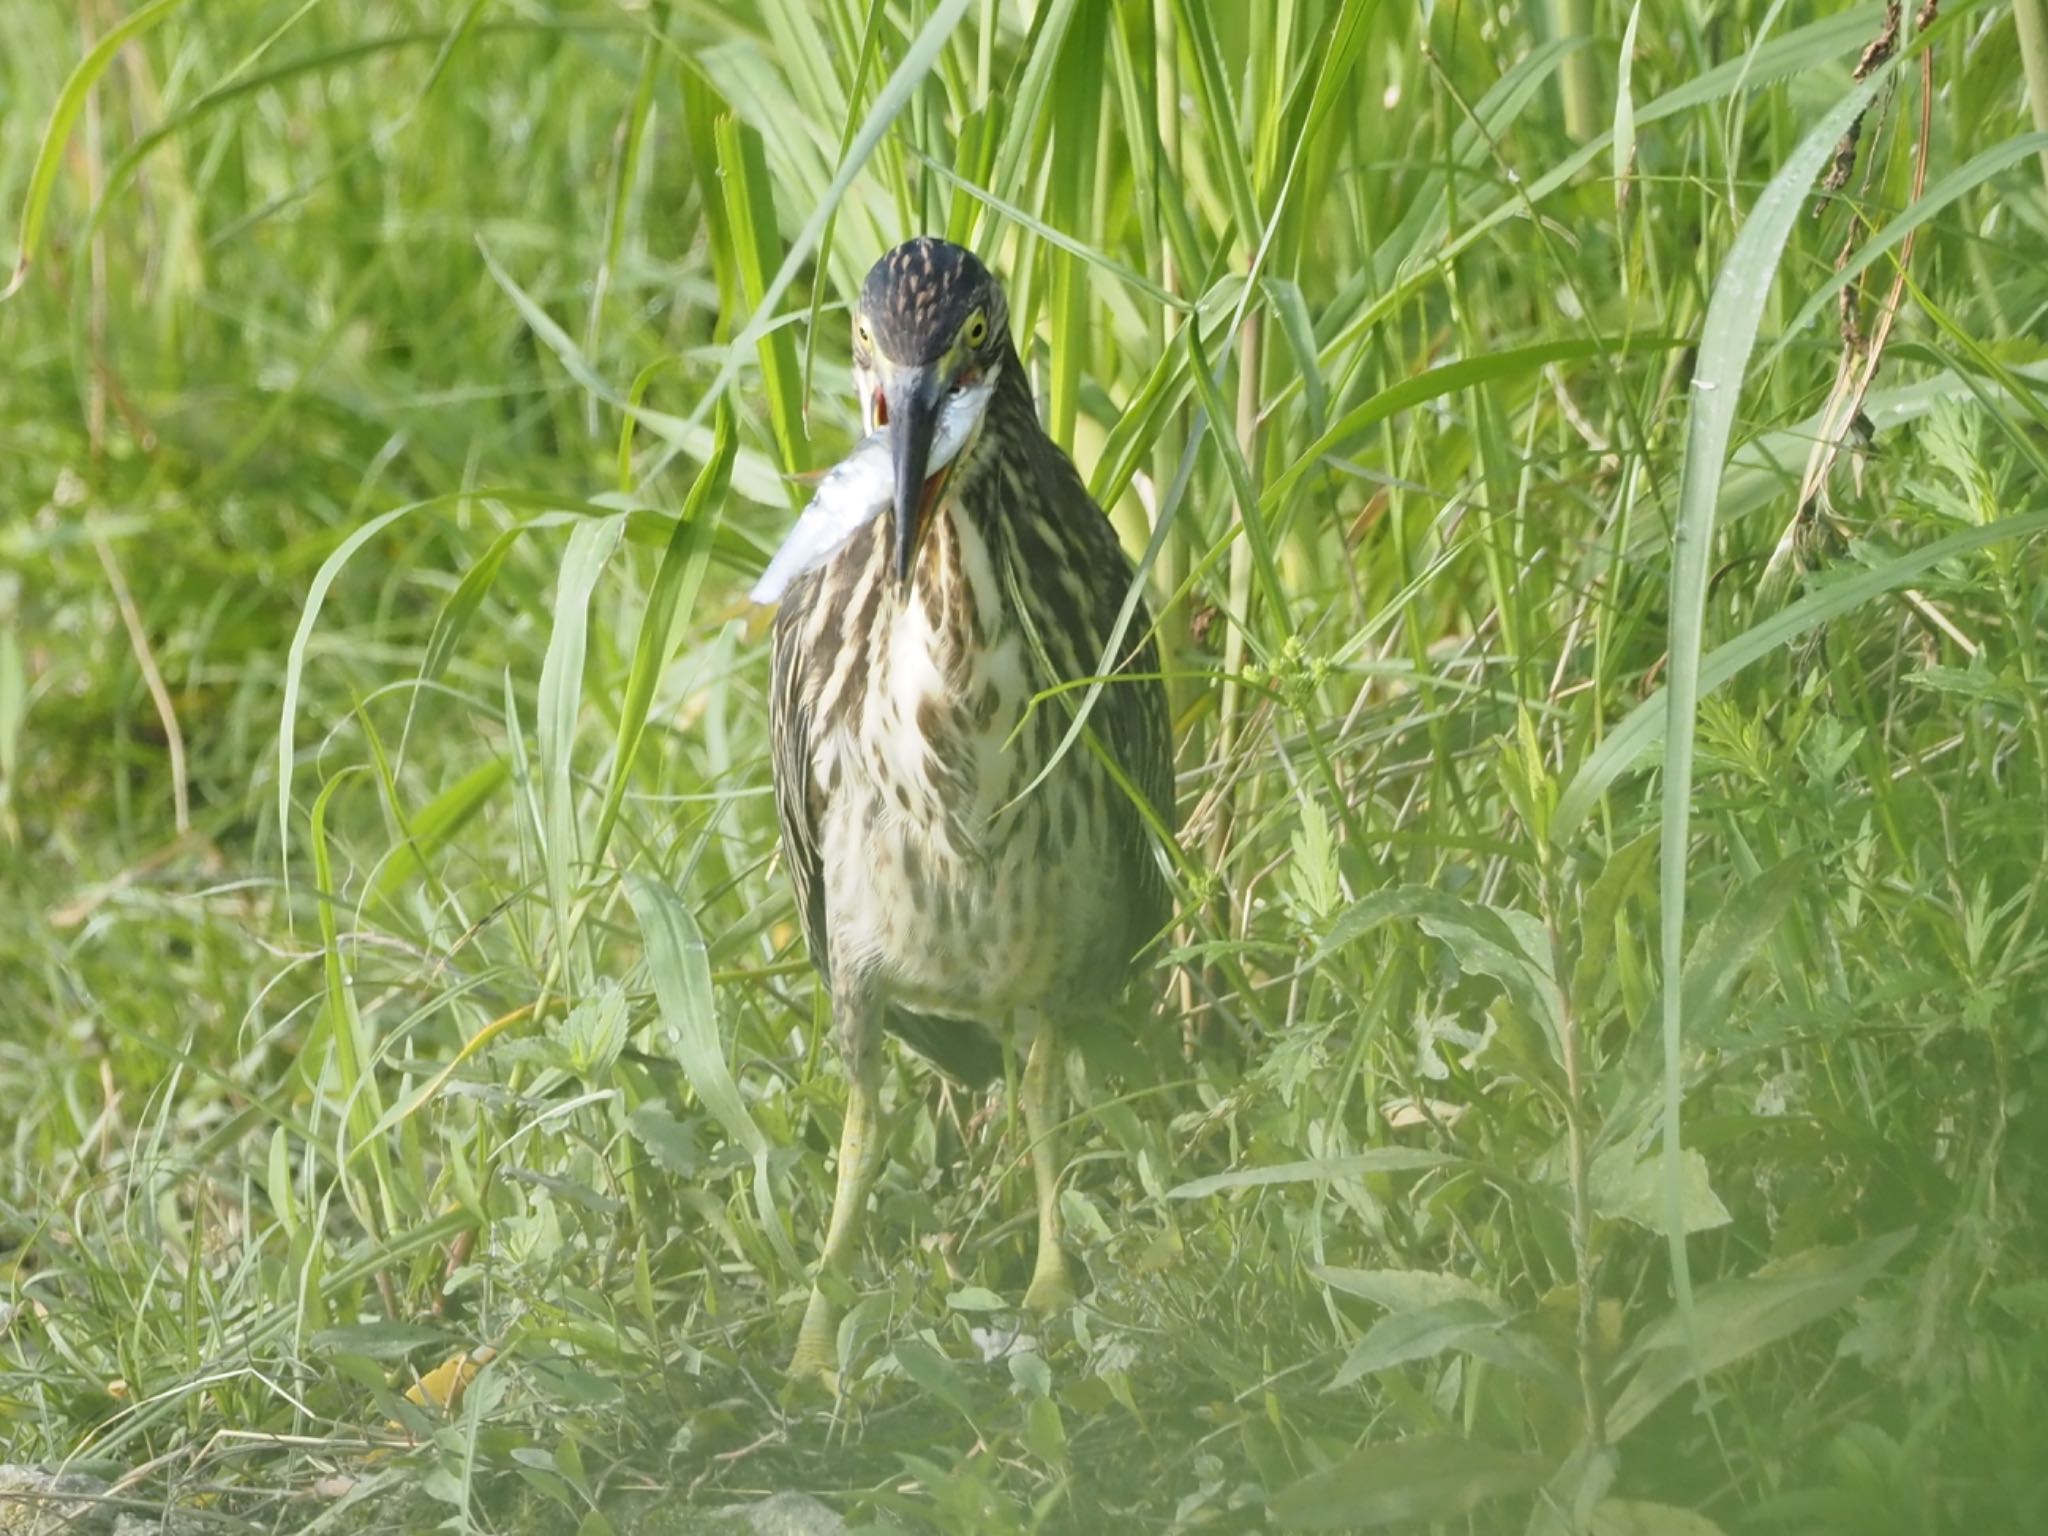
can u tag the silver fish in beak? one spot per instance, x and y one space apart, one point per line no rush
899 465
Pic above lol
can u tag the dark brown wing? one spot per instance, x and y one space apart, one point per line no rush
1130 716
798 806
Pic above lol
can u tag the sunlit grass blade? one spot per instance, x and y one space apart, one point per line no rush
559 703
916 63
35 203
750 208
1733 316
669 603
680 968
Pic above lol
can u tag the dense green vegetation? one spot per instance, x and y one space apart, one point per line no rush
394 961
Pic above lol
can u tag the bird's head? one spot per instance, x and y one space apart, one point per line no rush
930 336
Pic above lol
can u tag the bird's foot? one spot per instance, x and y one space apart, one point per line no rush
816 1360
1051 1290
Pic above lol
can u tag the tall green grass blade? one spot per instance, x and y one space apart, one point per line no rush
894 96
1077 120
1253 518
342 1024
42 179
680 968
750 206
1219 110
1726 339
560 701
1024 119
864 64
669 603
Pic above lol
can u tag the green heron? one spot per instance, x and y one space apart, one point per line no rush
949 887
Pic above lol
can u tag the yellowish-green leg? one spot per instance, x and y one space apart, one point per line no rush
1050 1288
860 1154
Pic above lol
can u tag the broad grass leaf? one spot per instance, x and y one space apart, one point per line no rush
462 605
436 825
936 1375
1406 1290
378 1341
670 1142
1733 1319
1598 908
1428 1477
594 1033
1484 942
1310 1170
1625 111
976 1298
1727 336
1291 310
1624 1188
42 179
680 967
1401 1337
1731 938
669 602
559 703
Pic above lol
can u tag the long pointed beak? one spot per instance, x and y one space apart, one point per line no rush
913 400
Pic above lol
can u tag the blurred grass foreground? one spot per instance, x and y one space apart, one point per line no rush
1590 461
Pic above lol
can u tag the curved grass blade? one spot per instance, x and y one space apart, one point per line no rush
316 597
895 96
42 180
1726 340
679 965
674 593
560 701
870 41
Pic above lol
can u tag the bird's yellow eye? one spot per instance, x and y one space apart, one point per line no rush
975 331
861 333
